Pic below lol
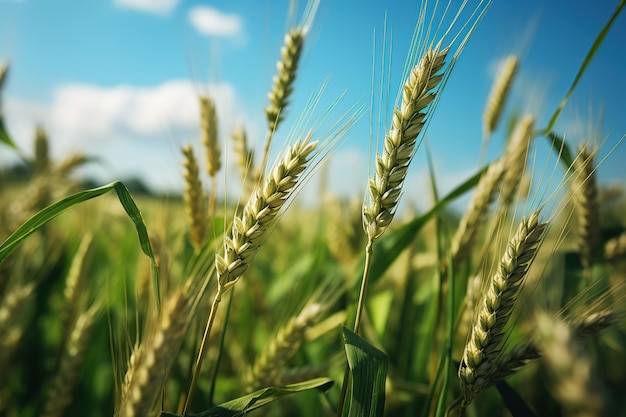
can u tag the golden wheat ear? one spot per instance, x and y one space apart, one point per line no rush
574 381
400 143
152 359
494 309
195 200
585 191
498 95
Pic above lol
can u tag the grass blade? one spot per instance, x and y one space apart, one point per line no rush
590 54
47 214
369 373
241 406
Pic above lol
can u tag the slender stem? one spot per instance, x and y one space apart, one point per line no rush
203 346
266 151
357 320
221 346
366 273
212 199
344 389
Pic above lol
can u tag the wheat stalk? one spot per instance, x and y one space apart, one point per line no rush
250 229
195 200
493 311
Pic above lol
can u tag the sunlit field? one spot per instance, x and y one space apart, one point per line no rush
504 295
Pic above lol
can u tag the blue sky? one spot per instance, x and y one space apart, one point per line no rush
119 78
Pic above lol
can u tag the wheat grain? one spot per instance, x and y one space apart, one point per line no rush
498 95
487 330
400 143
195 200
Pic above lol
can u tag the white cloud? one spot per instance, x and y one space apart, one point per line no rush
212 22
162 7
134 131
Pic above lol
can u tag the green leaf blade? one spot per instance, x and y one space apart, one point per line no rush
369 374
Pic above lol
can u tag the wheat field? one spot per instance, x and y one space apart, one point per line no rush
118 302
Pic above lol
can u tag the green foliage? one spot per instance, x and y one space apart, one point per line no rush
368 368
414 312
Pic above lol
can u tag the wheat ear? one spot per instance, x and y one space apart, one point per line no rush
283 81
494 309
195 200
400 143
250 229
515 158
244 155
474 216
574 383
343 229
42 153
59 396
11 327
615 248
67 165
585 192
152 359
283 346
4 70
283 87
210 141
499 93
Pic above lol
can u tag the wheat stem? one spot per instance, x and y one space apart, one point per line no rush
251 227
